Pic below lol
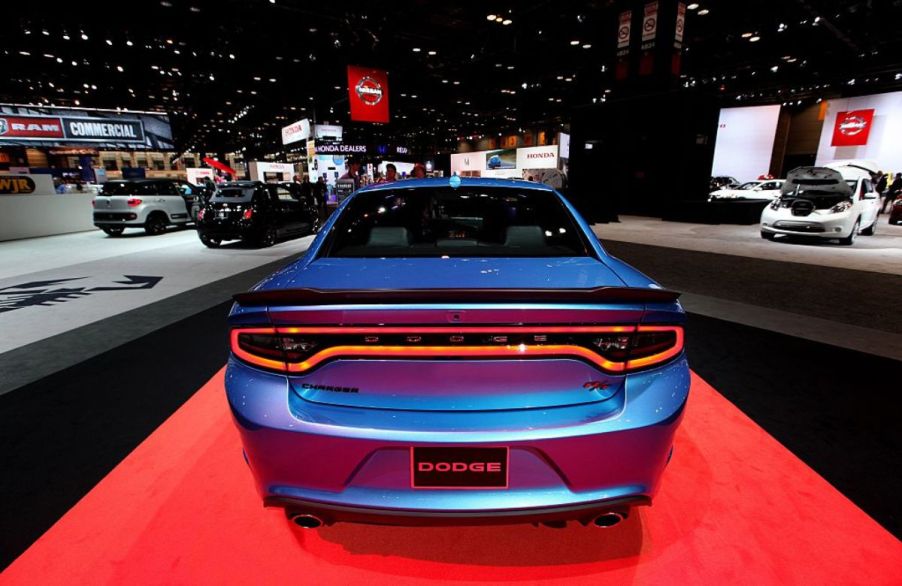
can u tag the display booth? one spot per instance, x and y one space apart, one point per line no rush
262 171
29 207
198 175
863 127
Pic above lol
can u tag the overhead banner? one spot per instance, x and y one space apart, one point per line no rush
53 127
680 25
368 94
624 29
296 132
852 128
650 22
327 131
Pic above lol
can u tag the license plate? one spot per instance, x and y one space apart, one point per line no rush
458 467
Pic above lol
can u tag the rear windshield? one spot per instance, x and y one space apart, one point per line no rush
463 222
236 194
137 188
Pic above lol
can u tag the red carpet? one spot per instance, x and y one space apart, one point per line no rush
736 508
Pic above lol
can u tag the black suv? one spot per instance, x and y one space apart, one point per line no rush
256 212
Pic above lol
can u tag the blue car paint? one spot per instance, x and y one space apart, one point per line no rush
340 454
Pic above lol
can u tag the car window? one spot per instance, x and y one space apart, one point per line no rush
749 185
233 194
770 185
165 188
284 194
463 222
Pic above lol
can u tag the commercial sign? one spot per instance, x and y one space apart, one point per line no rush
298 131
329 131
35 126
650 22
852 128
368 94
624 29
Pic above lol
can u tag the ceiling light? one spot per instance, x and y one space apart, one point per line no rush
65 37
754 39
119 68
45 32
587 46
490 17
109 42
416 49
499 18
703 12
84 37
25 53
746 35
129 43
693 6
506 21
574 42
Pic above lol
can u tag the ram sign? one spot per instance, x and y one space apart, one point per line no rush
49 127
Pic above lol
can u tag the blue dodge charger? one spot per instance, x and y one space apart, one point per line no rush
457 351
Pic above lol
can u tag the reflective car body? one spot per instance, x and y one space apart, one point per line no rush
831 202
753 190
433 375
256 212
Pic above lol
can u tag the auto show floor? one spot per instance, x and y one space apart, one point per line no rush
115 435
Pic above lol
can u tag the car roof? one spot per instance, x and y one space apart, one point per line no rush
464 182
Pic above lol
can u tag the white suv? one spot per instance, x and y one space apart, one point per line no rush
152 204
837 201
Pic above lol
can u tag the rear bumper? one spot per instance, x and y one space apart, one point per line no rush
347 463
228 232
330 513
127 219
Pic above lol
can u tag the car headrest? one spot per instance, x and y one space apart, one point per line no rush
388 236
525 236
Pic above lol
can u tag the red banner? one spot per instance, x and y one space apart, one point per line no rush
852 128
221 166
368 94
30 127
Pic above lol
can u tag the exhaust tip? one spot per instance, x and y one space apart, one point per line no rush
608 520
306 520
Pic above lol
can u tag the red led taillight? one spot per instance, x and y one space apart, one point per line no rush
134 202
616 349
248 214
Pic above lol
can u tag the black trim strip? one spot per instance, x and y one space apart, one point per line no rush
284 297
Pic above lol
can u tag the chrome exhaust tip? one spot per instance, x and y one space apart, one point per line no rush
306 520
609 519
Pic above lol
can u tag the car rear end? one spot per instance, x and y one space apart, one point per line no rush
121 204
463 389
232 212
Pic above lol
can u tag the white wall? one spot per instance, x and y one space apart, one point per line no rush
745 142
884 145
29 216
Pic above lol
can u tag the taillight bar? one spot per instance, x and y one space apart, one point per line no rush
522 350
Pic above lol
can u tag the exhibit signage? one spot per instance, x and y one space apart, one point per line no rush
298 131
368 94
650 22
337 149
852 128
624 30
330 131
52 127
16 185
541 157
680 25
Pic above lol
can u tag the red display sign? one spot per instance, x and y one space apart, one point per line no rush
852 128
368 94
31 127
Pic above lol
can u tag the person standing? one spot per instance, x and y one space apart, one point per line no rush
894 191
391 173
419 171
880 186
319 196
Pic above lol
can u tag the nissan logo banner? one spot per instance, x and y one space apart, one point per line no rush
852 128
368 94
49 127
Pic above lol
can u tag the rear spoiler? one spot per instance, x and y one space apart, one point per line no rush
283 297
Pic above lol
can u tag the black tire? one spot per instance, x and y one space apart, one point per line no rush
870 230
210 242
268 237
767 235
114 231
156 224
850 239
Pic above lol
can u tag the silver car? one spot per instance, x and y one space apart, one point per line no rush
152 204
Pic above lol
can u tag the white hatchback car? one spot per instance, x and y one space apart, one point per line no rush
837 201
753 190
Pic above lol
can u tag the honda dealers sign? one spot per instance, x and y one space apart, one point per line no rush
16 128
296 132
368 94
